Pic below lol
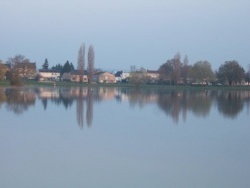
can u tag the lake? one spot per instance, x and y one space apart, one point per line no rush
124 138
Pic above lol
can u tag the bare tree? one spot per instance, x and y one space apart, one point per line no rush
185 70
81 61
176 68
91 61
17 59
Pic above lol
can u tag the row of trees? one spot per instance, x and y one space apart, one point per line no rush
81 62
174 72
67 67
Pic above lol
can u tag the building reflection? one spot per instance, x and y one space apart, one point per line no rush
174 103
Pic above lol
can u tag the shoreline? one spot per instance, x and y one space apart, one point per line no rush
125 85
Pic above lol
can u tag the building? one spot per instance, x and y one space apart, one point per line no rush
104 77
153 76
74 76
121 76
46 75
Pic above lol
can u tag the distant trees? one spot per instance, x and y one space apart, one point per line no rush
91 61
138 77
57 67
248 75
15 79
231 72
20 67
185 70
166 71
17 59
45 65
173 70
67 67
202 72
81 61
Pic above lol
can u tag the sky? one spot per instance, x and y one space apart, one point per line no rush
125 33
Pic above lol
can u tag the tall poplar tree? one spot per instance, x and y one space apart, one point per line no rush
91 61
81 61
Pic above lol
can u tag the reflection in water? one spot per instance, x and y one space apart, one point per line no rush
230 104
19 101
174 103
80 108
90 102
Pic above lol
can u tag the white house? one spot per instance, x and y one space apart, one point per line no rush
48 74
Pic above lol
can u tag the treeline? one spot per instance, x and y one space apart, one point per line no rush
67 67
175 71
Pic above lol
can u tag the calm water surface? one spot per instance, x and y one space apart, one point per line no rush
113 137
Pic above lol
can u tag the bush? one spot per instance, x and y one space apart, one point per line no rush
15 79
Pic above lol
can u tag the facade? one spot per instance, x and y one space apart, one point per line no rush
121 76
104 77
45 75
74 76
153 76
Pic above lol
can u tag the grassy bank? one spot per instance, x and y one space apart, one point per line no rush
32 83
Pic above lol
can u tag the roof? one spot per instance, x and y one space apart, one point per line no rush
99 73
153 71
77 72
49 70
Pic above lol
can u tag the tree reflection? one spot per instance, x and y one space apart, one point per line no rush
230 103
80 108
200 103
18 100
2 96
174 103
90 103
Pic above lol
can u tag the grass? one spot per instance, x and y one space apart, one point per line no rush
5 83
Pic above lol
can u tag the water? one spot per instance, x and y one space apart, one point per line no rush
113 137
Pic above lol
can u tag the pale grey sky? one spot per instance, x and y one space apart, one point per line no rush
144 33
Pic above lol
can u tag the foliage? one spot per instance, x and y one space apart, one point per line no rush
57 67
166 71
247 79
15 79
231 72
17 59
3 70
45 65
91 61
67 67
138 77
185 70
171 70
202 72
